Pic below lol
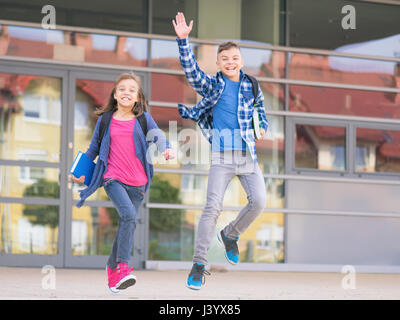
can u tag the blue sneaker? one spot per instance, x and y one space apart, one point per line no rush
196 276
231 248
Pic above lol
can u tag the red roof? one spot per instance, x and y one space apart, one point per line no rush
172 88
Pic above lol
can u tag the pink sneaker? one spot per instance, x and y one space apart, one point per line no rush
112 276
123 278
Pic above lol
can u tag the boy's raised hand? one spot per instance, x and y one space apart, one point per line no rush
181 28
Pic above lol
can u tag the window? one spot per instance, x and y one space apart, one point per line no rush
79 237
317 24
377 150
36 107
165 10
29 175
324 146
31 238
320 147
338 153
361 157
347 102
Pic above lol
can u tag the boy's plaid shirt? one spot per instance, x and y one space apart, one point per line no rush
211 88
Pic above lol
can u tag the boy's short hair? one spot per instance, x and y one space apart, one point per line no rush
227 45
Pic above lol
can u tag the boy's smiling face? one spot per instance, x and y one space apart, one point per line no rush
230 62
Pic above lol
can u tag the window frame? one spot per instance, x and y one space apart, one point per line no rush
373 175
290 151
350 148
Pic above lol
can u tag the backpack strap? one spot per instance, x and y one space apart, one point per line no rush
254 83
106 119
143 123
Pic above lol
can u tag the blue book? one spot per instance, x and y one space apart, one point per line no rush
83 166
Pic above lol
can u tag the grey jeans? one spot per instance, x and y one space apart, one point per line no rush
224 167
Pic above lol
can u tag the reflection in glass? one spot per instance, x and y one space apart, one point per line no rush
380 19
271 150
166 118
320 147
93 230
171 88
263 63
114 15
191 189
171 235
263 241
72 46
30 117
90 95
164 10
274 96
173 232
378 150
342 70
164 54
344 102
28 229
192 149
29 182
194 152
165 188
262 21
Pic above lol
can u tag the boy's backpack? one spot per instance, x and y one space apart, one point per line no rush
254 82
105 121
256 119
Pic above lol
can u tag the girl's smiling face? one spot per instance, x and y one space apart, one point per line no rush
126 93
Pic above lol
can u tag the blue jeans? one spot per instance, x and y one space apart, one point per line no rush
127 200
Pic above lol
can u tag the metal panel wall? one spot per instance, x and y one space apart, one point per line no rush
343 239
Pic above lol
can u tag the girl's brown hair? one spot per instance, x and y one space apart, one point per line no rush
138 108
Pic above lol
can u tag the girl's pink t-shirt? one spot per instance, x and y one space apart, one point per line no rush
123 164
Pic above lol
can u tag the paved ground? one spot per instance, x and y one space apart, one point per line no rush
84 284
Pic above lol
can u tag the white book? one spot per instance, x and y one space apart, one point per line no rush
256 124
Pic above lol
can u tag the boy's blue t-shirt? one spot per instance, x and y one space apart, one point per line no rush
226 134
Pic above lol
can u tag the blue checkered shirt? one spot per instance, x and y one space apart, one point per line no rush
211 88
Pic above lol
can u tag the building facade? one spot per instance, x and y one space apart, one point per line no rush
330 74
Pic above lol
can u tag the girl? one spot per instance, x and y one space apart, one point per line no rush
123 170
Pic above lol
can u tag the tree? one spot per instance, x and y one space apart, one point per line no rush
42 214
164 220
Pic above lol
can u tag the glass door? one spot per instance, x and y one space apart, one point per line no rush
32 165
90 230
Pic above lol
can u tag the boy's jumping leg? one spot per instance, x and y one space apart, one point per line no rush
254 185
218 179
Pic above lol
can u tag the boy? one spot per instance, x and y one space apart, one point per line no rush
225 118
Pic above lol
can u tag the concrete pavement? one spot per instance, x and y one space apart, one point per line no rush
88 284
